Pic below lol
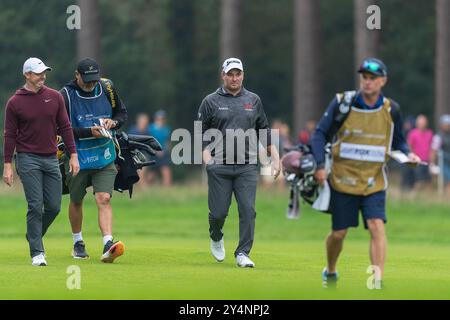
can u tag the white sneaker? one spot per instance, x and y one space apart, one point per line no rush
218 250
244 262
39 260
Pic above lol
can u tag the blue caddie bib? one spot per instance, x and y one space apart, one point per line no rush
85 112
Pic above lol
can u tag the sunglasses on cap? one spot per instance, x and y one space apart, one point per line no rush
373 67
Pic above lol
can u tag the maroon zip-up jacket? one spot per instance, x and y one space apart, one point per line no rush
32 121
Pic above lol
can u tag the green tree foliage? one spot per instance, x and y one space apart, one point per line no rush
137 53
29 30
164 54
267 37
408 48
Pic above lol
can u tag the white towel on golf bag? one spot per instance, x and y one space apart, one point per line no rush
323 200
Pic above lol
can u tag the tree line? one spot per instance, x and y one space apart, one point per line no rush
166 54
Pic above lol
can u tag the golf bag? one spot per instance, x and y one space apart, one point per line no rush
299 167
136 152
141 148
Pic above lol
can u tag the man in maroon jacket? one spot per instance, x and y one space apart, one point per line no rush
33 117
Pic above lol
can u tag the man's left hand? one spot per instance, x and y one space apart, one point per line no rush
414 158
276 168
74 165
109 124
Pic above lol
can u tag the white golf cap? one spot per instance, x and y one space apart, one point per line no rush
35 65
232 63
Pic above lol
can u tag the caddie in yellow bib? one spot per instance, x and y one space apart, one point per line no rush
362 127
361 151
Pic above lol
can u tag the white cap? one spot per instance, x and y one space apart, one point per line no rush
232 63
35 65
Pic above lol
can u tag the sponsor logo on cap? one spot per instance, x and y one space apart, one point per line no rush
90 71
233 61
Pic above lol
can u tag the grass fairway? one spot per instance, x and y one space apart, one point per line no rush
167 252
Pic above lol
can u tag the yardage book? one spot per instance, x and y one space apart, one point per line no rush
402 158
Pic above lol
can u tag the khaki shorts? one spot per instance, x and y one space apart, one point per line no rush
101 180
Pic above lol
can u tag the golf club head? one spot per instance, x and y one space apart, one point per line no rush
142 147
147 140
293 211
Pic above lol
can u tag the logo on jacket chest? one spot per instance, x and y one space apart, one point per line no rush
248 107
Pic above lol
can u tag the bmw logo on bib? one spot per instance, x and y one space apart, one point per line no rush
107 154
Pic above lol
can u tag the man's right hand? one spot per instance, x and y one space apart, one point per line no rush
321 176
206 156
96 132
8 175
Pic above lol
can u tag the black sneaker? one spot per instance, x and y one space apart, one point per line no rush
79 250
112 250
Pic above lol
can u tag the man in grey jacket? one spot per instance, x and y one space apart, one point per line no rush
236 119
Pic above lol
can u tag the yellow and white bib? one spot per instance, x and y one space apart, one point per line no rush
361 151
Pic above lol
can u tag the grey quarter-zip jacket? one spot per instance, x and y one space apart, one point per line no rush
222 111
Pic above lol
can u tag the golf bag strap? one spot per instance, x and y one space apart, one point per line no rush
346 101
395 110
111 93
343 111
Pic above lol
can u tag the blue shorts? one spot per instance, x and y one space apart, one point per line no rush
422 173
447 174
161 160
345 208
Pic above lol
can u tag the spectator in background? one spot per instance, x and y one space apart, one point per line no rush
305 135
283 143
285 137
441 144
276 125
161 131
141 126
407 172
408 125
285 140
419 140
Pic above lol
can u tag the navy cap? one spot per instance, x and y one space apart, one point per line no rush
89 70
373 66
